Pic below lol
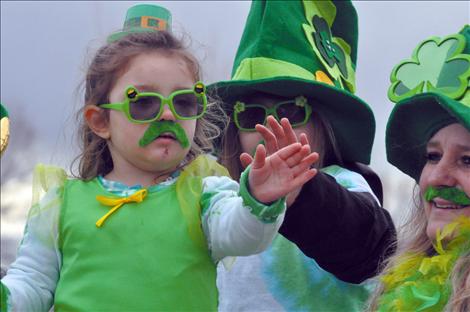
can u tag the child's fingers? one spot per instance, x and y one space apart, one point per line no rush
288 131
270 140
303 139
303 178
245 160
260 157
278 131
305 164
288 151
296 158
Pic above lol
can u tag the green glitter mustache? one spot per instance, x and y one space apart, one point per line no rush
156 128
448 193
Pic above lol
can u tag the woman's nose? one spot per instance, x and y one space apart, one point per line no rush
442 174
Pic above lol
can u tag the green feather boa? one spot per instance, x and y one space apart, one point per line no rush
421 283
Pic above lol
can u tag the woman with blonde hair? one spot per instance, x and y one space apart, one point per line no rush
428 138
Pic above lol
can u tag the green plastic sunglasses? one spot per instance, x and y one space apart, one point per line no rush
145 107
247 116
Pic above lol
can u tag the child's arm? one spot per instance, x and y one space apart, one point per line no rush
231 226
243 222
364 232
31 280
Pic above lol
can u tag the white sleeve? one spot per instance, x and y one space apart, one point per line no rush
32 278
232 226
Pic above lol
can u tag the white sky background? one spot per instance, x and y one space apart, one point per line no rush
45 46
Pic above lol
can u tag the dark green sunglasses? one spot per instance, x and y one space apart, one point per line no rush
247 116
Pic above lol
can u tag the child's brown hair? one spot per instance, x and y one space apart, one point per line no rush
108 62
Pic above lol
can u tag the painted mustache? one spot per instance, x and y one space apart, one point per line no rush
448 193
156 128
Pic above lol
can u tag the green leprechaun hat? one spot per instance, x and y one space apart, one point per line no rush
143 18
309 48
431 91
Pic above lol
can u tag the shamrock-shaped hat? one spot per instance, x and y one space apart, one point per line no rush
431 91
5 128
143 18
292 48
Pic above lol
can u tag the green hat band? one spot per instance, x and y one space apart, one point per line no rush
150 22
263 67
259 68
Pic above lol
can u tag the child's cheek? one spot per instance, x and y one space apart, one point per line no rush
249 141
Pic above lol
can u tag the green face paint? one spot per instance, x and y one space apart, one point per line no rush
449 193
156 128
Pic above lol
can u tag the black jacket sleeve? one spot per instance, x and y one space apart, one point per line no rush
347 233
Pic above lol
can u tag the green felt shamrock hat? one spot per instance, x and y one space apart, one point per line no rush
431 91
309 48
143 18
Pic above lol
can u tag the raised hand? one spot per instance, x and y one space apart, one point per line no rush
281 136
277 175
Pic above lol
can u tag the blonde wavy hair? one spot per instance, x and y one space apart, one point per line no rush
412 238
105 68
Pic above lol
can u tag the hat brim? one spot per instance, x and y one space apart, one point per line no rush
413 122
351 118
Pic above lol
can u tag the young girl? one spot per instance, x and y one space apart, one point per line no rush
146 222
335 220
428 138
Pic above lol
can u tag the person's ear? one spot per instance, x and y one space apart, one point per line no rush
96 119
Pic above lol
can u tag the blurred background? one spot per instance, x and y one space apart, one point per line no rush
46 46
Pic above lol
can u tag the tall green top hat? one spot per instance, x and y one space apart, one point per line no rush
142 18
292 48
431 91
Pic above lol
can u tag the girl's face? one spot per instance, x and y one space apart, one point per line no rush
249 140
448 165
153 72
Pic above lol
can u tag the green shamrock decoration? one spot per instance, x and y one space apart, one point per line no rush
330 51
239 107
435 66
333 52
